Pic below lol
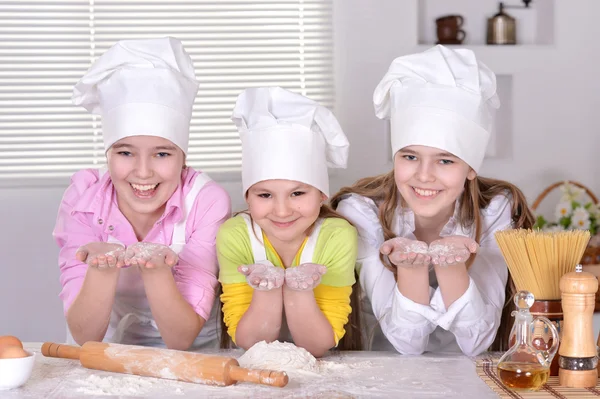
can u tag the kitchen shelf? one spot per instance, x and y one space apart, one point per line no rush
535 25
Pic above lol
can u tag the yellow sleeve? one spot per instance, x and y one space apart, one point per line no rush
236 299
337 248
334 302
233 249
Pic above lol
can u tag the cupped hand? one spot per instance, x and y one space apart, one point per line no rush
150 256
263 276
101 255
304 277
452 250
404 252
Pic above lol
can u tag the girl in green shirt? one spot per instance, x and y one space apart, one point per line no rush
287 264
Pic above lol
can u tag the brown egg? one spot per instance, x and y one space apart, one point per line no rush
7 340
12 352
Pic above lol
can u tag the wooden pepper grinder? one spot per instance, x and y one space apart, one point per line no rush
578 354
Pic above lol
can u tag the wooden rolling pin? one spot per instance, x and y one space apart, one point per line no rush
164 363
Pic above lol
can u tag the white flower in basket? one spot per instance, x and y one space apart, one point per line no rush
574 211
580 219
563 209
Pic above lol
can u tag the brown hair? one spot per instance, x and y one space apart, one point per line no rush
476 196
352 340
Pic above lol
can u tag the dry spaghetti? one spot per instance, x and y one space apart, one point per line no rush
537 260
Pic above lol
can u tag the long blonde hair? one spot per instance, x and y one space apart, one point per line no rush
352 340
476 196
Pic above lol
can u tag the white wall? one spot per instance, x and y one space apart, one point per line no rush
554 137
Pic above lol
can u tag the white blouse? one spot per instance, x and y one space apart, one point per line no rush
469 324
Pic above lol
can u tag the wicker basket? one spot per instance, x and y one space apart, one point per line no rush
591 256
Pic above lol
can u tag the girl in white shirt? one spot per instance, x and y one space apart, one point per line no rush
428 262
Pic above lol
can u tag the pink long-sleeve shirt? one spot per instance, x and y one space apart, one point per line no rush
89 213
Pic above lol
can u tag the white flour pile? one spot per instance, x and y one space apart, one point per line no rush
285 356
117 386
280 356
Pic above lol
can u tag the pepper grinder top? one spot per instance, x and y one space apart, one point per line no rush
578 282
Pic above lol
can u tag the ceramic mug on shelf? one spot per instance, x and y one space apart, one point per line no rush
449 29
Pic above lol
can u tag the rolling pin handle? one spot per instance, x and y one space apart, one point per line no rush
264 377
51 349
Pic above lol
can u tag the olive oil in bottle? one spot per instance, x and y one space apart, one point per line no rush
524 366
523 376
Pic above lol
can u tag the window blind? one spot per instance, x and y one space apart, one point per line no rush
46 46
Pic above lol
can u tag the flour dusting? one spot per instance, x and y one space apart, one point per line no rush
159 363
442 250
417 248
145 250
304 277
115 253
264 277
116 386
168 374
456 251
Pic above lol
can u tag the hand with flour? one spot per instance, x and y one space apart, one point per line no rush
263 276
101 255
452 250
304 277
150 256
405 252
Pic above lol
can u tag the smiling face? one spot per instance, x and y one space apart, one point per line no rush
430 180
145 171
284 209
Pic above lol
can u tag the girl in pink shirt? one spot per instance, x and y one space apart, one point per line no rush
137 239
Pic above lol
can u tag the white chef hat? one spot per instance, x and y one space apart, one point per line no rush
141 87
439 98
287 136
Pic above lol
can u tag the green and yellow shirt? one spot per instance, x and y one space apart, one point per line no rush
336 248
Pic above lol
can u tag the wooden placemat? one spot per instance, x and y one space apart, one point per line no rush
486 369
